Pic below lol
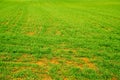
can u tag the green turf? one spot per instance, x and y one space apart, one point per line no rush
59 40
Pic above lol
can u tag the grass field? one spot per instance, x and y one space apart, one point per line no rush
59 39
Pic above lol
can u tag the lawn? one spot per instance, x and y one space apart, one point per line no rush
59 39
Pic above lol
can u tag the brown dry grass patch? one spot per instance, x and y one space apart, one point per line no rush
74 64
26 57
65 79
18 79
31 33
46 77
44 61
54 61
58 33
88 63
114 78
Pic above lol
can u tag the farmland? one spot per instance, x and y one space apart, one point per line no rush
59 40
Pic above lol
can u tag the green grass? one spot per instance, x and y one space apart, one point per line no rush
59 40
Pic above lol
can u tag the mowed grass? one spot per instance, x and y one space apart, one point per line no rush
59 40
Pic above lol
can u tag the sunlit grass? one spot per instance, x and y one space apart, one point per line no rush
59 40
